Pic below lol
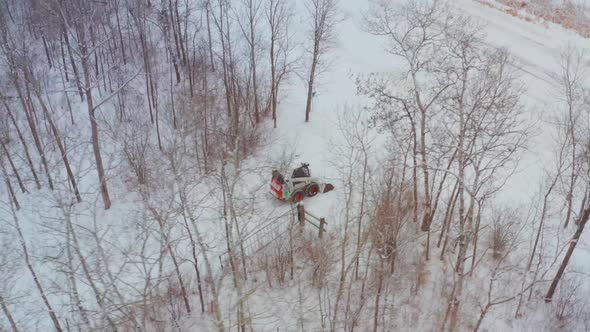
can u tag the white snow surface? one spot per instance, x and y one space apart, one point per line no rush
535 50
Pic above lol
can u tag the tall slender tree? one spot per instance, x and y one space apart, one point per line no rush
323 16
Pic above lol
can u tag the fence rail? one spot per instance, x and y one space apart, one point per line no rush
306 217
273 230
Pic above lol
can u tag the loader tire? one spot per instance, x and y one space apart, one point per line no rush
298 196
312 189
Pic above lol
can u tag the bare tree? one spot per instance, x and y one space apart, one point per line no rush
505 236
17 75
8 314
353 158
230 77
581 224
485 92
33 272
9 271
79 26
573 155
249 29
57 136
414 33
324 15
23 143
279 19
572 74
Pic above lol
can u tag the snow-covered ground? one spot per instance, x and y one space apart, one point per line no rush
535 51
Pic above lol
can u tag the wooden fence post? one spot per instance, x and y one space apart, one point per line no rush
322 227
301 216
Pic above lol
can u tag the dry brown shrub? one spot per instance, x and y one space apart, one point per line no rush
512 12
251 139
391 212
499 242
503 234
319 256
570 304
155 310
566 14
276 261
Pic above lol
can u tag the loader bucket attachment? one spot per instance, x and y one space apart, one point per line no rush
328 187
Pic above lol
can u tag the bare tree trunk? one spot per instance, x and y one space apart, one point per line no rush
229 79
210 45
195 261
116 5
62 149
542 222
157 118
168 42
9 186
13 167
349 190
278 22
441 185
448 215
378 297
215 305
415 172
252 12
111 282
31 121
67 97
574 241
180 39
572 66
310 82
427 199
172 108
73 63
63 58
455 298
146 62
72 279
180 280
33 273
8 314
273 64
85 268
93 123
476 236
25 146
228 234
47 52
206 122
324 15
481 317
362 208
163 232
173 25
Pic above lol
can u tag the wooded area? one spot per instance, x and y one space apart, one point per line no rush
129 131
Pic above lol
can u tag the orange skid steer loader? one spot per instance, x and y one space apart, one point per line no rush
300 184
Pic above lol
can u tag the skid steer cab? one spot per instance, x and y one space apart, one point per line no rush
296 188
